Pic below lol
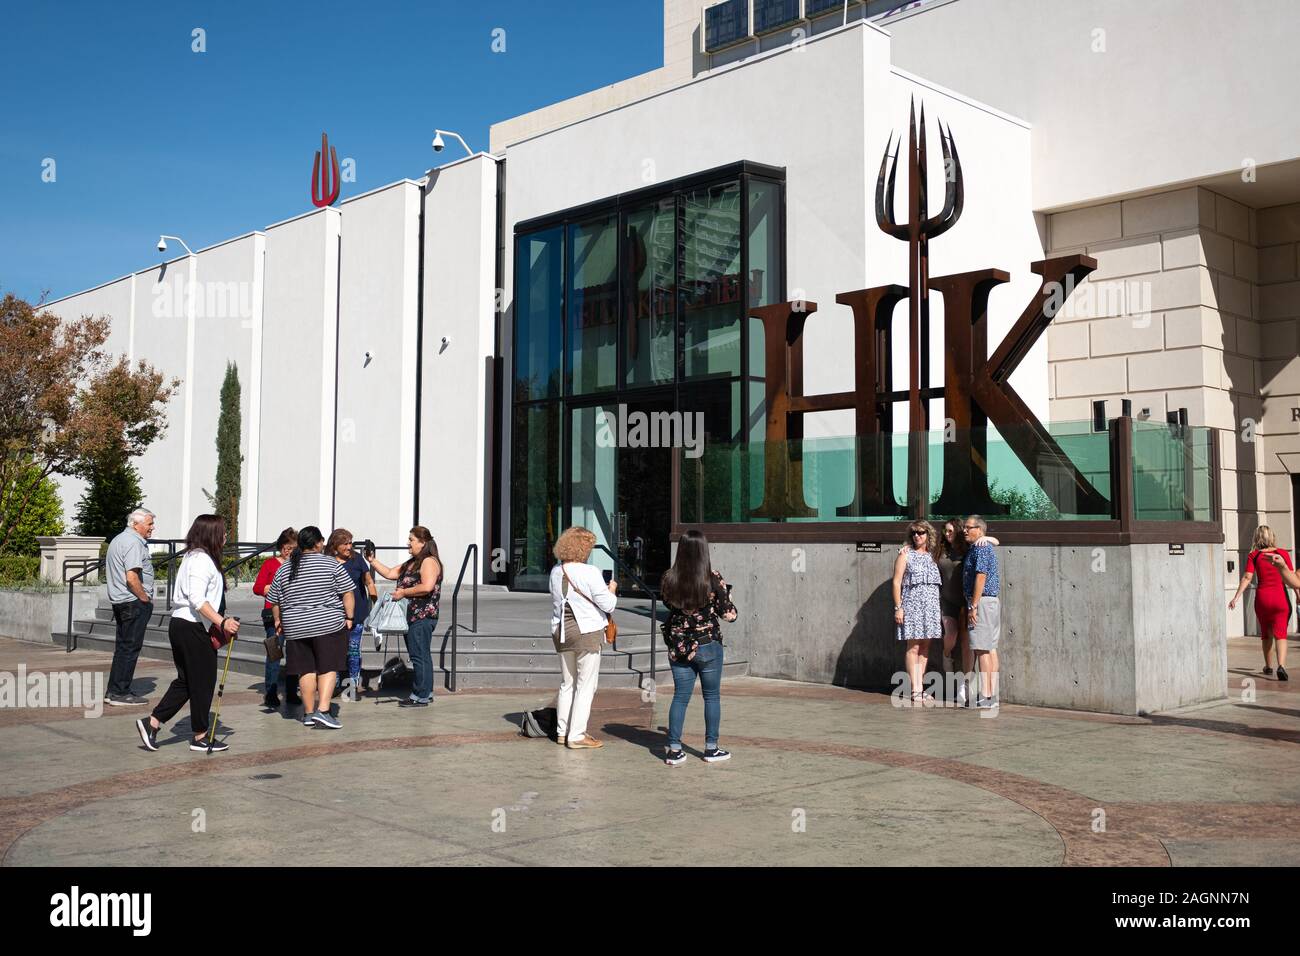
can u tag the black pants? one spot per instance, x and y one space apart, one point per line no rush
131 618
196 675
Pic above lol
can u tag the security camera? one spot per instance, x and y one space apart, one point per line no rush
438 144
445 341
162 244
368 355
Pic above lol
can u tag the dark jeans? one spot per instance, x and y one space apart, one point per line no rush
272 673
419 644
131 618
196 675
708 665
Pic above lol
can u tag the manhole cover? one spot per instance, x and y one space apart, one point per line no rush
266 776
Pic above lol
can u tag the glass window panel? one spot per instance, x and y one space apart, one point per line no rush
764 239
535 518
593 434
649 284
725 23
593 306
539 296
714 468
710 281
772 14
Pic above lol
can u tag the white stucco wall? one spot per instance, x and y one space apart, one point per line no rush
1124 96
375 474
824 112
459 303
299 336
225 309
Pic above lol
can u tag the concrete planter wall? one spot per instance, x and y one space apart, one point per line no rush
36 615
1123 630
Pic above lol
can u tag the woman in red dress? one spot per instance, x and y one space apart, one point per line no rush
1272 603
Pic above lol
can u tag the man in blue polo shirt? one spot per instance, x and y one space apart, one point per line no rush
130 589
982 585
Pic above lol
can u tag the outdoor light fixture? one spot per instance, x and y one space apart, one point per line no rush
162 244
439 144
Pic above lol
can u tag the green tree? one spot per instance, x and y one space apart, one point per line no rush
43 515
225 501
65 404
112 493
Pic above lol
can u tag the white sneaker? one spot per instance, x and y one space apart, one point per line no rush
961 694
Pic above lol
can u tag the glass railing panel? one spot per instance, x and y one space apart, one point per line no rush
1171 472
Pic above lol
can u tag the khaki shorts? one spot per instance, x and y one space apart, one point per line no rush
988 625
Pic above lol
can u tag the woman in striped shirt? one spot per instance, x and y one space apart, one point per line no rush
312 601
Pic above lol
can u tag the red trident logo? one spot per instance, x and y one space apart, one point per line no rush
324 190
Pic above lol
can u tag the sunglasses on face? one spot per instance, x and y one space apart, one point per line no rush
915 533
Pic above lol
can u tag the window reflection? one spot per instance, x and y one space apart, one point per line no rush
650 281
711 287
593 306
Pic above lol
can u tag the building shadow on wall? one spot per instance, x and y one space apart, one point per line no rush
871 654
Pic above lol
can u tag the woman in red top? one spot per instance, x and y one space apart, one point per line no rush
284 546
1272 603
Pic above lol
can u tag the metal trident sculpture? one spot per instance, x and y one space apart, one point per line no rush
324 188
919 229
976 387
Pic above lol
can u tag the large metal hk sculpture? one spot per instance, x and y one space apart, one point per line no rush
976 388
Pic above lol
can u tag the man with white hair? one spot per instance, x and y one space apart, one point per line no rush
130 588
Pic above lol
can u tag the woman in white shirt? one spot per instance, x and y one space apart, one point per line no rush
199 594
581 603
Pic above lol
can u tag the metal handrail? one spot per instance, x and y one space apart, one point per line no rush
654 600
88 565
455 598
261 549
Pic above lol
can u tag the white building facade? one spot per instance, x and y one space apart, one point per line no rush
444 351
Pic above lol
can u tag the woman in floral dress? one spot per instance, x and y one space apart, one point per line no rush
917 614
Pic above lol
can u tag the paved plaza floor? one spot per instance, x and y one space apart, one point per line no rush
820 776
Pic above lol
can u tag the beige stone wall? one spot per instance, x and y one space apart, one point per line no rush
1279 366
1195 303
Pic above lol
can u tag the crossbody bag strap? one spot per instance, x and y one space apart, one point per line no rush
574 587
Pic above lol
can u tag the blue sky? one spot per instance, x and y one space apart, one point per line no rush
150 137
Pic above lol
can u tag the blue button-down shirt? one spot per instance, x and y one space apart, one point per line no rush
981 558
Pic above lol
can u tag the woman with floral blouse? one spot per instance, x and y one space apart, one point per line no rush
698 600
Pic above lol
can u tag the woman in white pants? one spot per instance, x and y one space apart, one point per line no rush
581 603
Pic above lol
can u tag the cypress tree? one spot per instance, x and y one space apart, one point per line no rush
225 500
112 493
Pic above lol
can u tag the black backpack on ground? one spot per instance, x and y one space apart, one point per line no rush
539 723
396 674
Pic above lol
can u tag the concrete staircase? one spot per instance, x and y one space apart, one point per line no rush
511 648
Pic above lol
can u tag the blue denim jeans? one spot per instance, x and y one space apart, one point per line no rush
419 644
272 673
708 665
354 654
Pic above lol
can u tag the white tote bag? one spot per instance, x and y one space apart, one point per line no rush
388 616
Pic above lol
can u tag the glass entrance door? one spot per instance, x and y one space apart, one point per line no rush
644 496
619 484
